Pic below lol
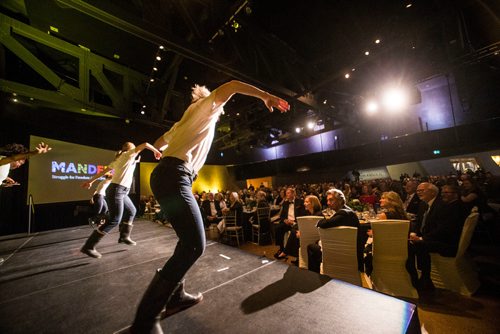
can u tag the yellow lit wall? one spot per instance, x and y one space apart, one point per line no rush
267 181
210 178
213 178
145 170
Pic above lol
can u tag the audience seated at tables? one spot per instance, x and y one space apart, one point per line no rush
367 196
261 199
235 206
290 210
391 207
219 198
312 207
211 210
473 196
278 200
439 226
411 201
344 216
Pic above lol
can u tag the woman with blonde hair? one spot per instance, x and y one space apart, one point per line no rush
392 206
312 207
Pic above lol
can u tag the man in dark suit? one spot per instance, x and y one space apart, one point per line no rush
438 230
211 210
411 201
290 210
344 216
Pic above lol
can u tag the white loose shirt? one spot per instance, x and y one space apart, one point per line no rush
124 167
102 186
191 137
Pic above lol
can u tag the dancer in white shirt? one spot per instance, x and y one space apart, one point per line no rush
121 208
186 146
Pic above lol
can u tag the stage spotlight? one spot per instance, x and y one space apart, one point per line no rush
310 125
347 75
367 53
155 69
371 107
377 41
297 130
395 99
158 58
162 47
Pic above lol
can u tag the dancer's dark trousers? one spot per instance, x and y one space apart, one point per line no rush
171 183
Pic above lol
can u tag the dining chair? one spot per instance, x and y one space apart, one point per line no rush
262 223
457 273
308 234
339 248
231 229
390 252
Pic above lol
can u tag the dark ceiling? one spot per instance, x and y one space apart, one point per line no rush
300 50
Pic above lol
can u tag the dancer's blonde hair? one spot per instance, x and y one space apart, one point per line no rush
199 92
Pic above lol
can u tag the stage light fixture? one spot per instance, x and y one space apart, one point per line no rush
297 130
161 47
310 125
371 107
395 99
367 53
377 41
152 80
347 75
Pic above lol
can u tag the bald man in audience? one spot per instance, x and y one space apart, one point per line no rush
438 230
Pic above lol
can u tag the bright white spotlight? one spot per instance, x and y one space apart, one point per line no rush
297 130
347 75
367 53
395 99
158 58
371 107
310 125
377 41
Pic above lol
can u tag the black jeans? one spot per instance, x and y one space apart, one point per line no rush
171 183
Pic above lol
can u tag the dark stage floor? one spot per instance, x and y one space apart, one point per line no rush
48 286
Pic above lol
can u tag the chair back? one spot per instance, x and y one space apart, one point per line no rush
263 215
390 238
467 232
230 219
339 248
308 235
390 252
